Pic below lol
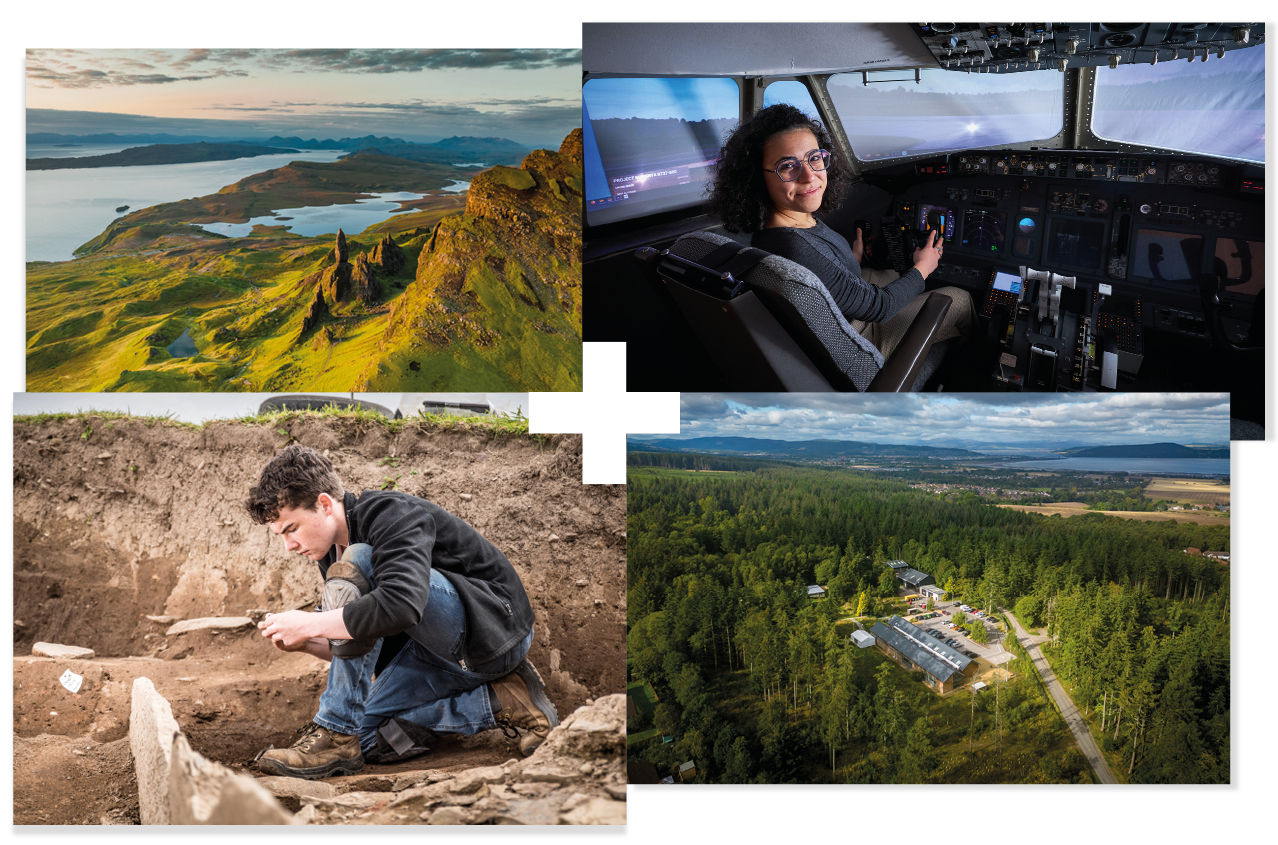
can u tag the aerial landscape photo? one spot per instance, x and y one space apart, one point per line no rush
314 220
941 589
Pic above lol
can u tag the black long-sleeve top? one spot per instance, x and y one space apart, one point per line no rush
409 536
829 255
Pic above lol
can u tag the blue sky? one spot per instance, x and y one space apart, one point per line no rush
984 422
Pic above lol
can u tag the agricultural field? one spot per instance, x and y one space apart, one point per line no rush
1194 491
1067 509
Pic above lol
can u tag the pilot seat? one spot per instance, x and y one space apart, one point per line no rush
769 323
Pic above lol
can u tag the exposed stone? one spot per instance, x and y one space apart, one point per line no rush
597 811
152 729
449 815
340 251
289 791
364 284
472 780
204 792
317 311
163 620
571 148
65 652
387 255
210 623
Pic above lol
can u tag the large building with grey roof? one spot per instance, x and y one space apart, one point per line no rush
914 579
944 668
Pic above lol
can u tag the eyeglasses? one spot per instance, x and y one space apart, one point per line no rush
789 169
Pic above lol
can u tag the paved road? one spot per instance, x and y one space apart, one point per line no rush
1072 717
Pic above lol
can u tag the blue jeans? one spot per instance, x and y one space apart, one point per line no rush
424 684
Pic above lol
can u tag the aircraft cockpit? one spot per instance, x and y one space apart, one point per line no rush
1099 188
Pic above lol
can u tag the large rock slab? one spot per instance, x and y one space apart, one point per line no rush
204 792
66 652
152 729
210 622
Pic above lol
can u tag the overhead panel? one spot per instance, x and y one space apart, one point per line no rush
748 49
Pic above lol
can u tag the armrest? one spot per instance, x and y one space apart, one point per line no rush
900 371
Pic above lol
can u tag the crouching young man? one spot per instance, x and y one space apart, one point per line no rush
391 564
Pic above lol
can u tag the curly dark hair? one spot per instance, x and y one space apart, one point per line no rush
738 194
293 479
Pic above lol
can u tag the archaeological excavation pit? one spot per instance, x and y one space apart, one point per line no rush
125 529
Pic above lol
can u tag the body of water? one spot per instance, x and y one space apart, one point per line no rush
457 187
67 208
1152 466
183 347
324 219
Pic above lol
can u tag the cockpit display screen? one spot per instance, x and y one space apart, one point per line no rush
1007 281
938 215
1075 243
984 230
1167 256
1241 263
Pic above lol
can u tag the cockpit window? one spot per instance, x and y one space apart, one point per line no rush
650 143
1215 108
793 93
946 111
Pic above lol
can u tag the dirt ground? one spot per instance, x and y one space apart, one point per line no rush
116 521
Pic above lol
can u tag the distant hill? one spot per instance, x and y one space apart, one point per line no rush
157 154
815 449
1148 450
456 150
471 143
330 144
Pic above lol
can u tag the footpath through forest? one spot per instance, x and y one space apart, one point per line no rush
1066 705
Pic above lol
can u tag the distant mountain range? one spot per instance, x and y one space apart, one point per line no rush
825 449
457 143
1148 450
811 449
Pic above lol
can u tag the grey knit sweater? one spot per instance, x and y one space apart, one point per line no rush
829 255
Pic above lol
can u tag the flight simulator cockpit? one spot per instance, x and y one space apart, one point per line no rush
1099 188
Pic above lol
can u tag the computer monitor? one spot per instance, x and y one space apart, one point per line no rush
1075 243
1166 256
1241 264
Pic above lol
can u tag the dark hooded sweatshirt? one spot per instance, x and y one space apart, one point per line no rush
409 536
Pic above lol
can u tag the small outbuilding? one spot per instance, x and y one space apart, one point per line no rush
863 639
815 591
933 592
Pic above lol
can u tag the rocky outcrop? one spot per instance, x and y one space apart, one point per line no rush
340 251
571 148
387 256
577 776
364 285
314 315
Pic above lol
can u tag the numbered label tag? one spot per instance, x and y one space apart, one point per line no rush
71 680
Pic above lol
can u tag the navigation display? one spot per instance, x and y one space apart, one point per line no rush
1075 243
1241 262
984 230
1167 256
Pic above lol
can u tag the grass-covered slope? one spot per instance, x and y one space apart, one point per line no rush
507 315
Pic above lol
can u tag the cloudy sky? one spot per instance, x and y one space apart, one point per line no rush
528 95
984 422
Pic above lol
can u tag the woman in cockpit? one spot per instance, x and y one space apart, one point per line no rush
774 172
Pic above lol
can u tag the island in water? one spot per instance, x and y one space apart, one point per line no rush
158 154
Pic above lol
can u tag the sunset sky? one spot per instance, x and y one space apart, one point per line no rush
527 95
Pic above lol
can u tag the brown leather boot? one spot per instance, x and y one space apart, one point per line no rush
319 753
524 704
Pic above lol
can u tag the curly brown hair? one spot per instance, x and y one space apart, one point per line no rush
293 479
738 194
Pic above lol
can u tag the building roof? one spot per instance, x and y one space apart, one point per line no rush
863 637
683 767
815 590
929 654
932 588
913 577
897 564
